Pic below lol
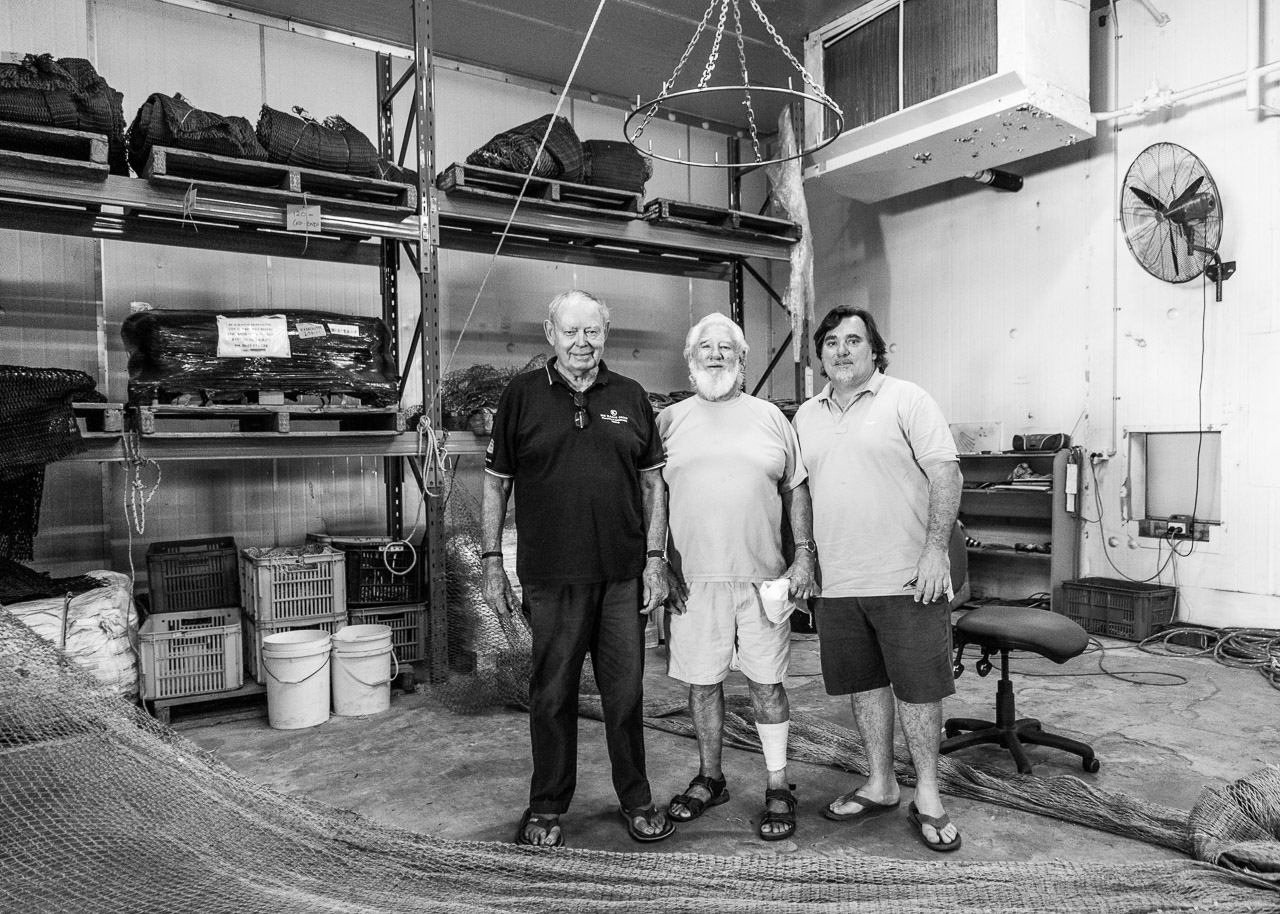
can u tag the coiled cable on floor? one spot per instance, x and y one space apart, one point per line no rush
1244 648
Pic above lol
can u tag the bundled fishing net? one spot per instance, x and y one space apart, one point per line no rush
516 150
67 93
331 145
165 121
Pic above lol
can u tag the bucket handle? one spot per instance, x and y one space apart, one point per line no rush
382 681
267 667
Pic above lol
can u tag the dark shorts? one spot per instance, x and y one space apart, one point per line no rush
871 642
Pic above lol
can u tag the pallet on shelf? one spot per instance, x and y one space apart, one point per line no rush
99 420
269 182
220 706
69 153
221 420
550 193
719 221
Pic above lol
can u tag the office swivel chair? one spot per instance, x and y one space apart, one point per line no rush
1000 629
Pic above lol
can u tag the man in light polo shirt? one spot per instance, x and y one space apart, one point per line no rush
733 468
581 448
885 481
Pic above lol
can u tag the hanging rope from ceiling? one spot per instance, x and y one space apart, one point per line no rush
811 92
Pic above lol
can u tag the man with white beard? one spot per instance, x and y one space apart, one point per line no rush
733 467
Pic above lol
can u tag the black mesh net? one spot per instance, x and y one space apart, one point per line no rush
165 121
37 426
66 93
331 145
19 583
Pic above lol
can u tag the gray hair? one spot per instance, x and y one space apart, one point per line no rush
716 318
553 310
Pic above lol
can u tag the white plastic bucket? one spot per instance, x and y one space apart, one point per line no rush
362 660
297 666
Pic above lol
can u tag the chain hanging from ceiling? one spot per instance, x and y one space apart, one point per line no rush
811 92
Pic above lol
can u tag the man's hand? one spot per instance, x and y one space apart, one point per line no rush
655 584
498 592
677 591
933 576
803 586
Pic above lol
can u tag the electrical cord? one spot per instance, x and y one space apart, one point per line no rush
1242 648
1097 647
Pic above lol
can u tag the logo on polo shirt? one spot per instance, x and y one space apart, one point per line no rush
612 416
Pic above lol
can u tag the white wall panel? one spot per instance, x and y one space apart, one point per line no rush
54 27
1003 305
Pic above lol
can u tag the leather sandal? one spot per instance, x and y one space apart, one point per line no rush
694 806
649 814
787 818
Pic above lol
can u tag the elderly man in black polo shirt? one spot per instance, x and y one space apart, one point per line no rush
582 449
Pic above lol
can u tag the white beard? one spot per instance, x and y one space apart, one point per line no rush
716 385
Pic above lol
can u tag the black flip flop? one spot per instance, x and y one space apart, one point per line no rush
694 807
546 824
870 808
917 818
648 813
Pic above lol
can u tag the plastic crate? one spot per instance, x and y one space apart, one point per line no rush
197 652
193 574
380 571
408 628
1118 608
255 631
293 583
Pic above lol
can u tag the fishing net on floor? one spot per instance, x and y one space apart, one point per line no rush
103 809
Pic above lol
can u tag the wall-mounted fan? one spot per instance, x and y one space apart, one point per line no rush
1172 216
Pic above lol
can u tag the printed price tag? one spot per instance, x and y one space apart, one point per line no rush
253 337
301 218
310 331
344 329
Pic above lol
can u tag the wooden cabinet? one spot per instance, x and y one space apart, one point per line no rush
1028 541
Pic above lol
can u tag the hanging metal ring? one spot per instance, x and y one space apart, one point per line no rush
794 94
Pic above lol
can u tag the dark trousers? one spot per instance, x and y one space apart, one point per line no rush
567 621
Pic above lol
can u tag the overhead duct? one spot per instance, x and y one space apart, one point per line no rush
937 91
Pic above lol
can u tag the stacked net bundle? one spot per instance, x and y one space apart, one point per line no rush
67 93
19 583
103 809
516 150
334 145
176 352
165 121
37 426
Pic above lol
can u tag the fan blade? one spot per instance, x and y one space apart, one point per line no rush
1187 194
1189 231
1148 199
1173 250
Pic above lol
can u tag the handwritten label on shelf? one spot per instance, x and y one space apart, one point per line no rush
253 337
310 331
299 218
344 329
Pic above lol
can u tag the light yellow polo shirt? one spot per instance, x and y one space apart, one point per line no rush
867 478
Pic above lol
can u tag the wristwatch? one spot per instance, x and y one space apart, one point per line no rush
656 554
807 544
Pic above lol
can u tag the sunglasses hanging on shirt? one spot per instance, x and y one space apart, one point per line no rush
581 418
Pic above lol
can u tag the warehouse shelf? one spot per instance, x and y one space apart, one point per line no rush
140 211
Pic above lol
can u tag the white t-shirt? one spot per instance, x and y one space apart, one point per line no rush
867 479
727 465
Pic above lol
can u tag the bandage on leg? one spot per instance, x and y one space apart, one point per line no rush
773 742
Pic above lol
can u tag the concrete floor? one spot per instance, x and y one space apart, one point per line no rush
423 768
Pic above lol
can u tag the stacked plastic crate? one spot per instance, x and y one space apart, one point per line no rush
288 587
384 587
190 643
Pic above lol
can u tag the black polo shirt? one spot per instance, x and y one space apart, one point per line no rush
579 514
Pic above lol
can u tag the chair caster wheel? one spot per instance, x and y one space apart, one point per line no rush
951 731
1090 765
